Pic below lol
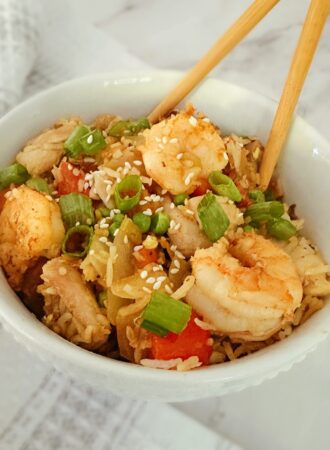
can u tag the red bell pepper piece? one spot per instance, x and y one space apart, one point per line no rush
71 179
202 188
192 341
146 256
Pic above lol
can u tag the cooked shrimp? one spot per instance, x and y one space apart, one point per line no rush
30 227
247 288
45 150
70 307
189 235
181 150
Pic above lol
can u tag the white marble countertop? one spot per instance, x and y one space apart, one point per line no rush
291 411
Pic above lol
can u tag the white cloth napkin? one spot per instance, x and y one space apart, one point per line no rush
40 408
45 43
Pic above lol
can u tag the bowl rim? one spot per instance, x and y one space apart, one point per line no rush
262 362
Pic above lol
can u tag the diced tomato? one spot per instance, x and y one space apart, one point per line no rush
202 188
3 198
192 341
71 179
146 256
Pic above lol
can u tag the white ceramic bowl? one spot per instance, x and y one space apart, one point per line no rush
305 173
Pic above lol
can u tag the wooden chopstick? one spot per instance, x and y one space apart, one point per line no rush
248 20
302 58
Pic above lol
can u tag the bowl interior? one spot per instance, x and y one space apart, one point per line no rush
304 169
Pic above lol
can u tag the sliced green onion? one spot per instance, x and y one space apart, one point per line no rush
264 211
113 228
38 184
248 229
76 208
16 173
128 192
118 218
128 127
164 314
269 195
102 212
160 223
142 221
180 199
101 299
92 142
77 241
72 145
214 220
223 185
281 229
257 196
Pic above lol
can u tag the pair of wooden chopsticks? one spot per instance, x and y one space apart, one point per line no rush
301 61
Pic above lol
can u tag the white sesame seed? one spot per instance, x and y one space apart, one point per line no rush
173 141
157 139
137 248
137 163
116 232
172 205
161 279
189 211
206 119
174 271
176 263
173 248
76 172
179 156
192 121
86 186
188 178
164 191
164 140
90 139
127 164
150 280
160 209
91 252
125 239
116 211
103 239
48 197
155 269
225 156
70 166
54 192
89 221
161 146
168 289
77 224
144 274
62 270
177 226
179 255
157 285
89 160
104 225
147 212
172 223
145 289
